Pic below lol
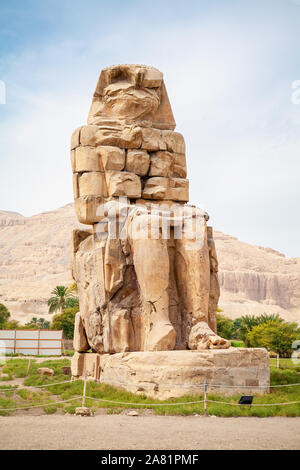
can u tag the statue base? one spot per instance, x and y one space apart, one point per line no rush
167 374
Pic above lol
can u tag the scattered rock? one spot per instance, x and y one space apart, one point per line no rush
45 371
83 411
132 413
66 370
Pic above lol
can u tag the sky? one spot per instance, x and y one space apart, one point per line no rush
232 72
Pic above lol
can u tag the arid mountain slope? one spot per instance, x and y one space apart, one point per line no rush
34 258
257 280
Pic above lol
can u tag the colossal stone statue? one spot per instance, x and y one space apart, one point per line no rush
147 270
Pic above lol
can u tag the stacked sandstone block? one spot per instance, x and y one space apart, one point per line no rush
136 162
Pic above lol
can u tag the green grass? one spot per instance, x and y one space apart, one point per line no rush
49 396
69 352
15 368
50 410
285 363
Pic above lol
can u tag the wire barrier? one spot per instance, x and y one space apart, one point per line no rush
206 400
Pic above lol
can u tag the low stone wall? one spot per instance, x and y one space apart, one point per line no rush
166 374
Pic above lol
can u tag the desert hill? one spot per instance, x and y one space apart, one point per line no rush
34 258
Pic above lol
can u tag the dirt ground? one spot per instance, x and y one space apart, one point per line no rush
147 432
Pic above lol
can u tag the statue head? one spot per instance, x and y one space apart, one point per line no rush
131 94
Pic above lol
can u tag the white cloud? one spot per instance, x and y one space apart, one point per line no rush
230 89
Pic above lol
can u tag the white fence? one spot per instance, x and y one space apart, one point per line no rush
31 342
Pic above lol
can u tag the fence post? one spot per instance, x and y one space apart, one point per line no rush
277 361
205 397
39 335
84 390
28 367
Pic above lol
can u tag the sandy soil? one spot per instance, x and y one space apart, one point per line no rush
148 432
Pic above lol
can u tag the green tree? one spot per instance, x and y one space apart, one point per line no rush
60 296
12 325
275 336
265 318
224 326
243 325
72 302
39 323
65 321
4 315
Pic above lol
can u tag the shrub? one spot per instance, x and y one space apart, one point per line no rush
224 326
39 323
4 315
12 325
243 325
275 336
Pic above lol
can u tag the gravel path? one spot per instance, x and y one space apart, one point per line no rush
148 432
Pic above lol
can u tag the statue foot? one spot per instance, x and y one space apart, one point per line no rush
162 337
202 337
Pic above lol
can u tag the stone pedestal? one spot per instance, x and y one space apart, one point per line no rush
166 374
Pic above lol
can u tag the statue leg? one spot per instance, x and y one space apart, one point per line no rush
80 342
152 267
192 268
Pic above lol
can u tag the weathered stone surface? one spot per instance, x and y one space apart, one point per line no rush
75 139
121 330
179 167
161 164
152 78
77 364
86 365
201 337
167 374
87 159
113 158
45 371
156 188
132 413
92 184
80 342
174 141
83 411
152 139
88 209
134 94
137 161
214 291
123 183
75 185
176 189
127 137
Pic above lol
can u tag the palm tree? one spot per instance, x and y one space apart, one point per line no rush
59 298
266 318
243 325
